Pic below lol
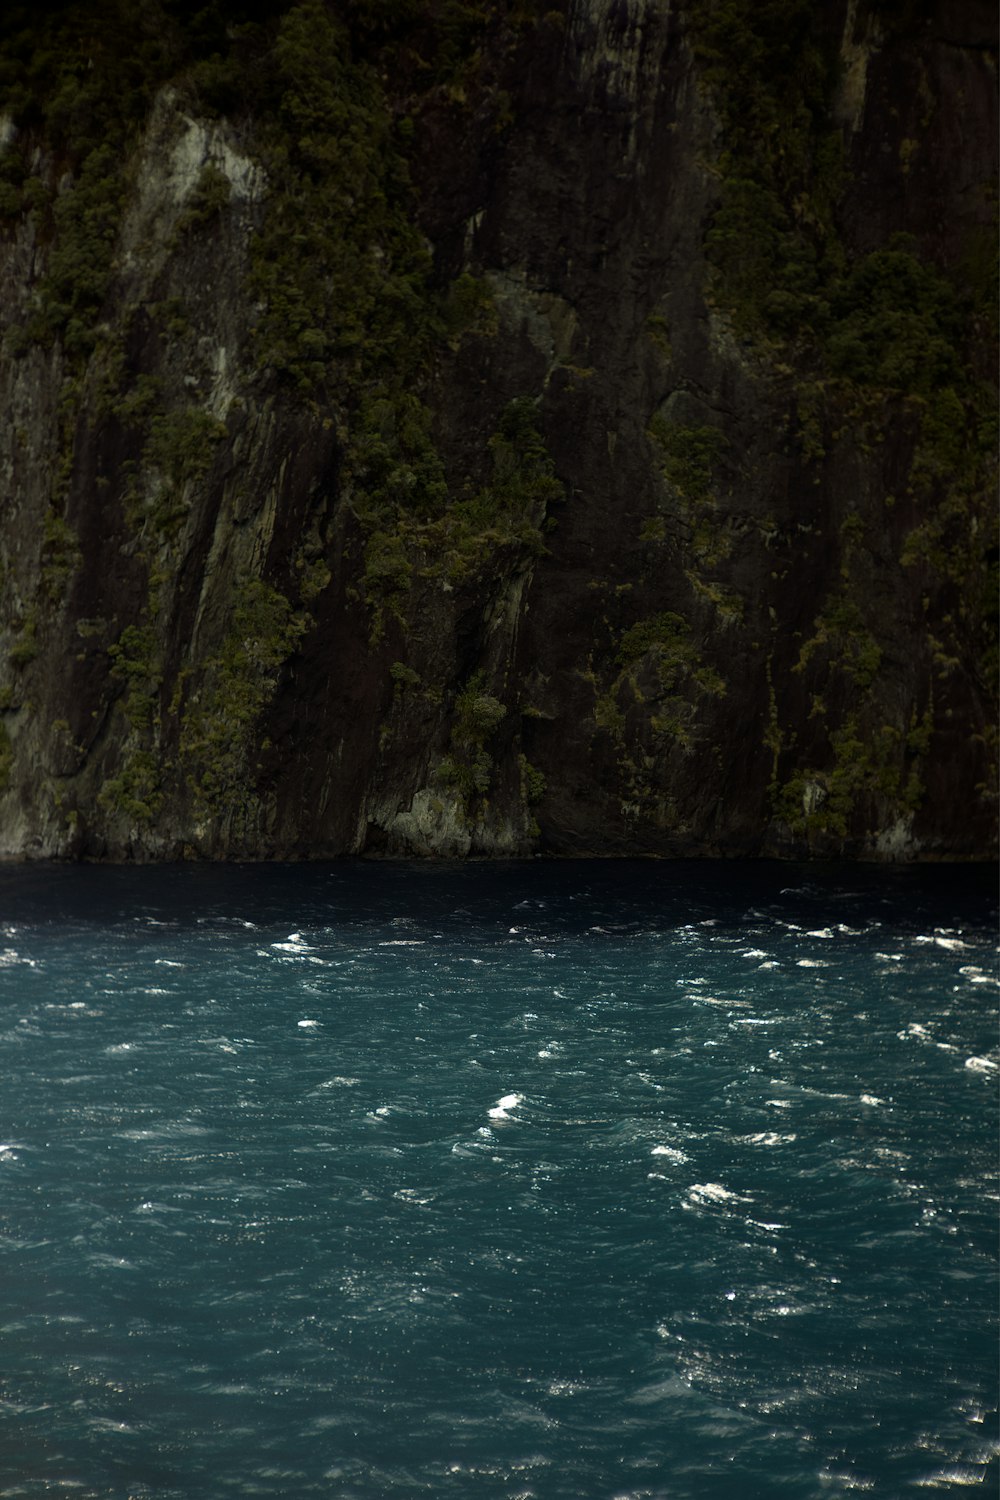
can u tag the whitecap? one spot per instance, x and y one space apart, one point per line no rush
766 1138
946 1478
713 1192
10 956
821 932
871 1099
305 1024
502 1106
812 963
671 1153
982 1065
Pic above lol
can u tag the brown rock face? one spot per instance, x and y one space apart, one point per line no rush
565 431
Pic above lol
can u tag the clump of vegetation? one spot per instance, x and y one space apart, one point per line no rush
508 513
220 724
687 457
210 195
60 556
872 779
688 461
25 648
135 660
136 793
338 265
841 632
477 716
663 642
469 307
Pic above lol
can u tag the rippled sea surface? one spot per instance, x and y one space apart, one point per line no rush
544 1180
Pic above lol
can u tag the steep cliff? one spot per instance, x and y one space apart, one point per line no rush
444 429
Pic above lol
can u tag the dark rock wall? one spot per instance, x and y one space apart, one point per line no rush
498 430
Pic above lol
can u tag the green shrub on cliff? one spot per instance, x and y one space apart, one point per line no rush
218 732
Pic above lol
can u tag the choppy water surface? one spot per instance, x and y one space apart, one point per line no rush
500 1181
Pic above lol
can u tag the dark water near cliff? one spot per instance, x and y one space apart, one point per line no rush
500 1181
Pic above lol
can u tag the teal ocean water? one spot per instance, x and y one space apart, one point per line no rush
571 1181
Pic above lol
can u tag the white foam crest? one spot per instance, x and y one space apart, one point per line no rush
821 932
307 1024
982 1065
403 943
713 1192
767 1138
873 1100
10 956
945 1479
501 1110
671 1153
812 963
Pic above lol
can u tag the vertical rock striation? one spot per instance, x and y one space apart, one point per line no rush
499 430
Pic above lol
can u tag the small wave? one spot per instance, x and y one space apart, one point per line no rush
950 944
713 1192
10 956
976 976
307 1024
671 1153
501 1110
982 1065
958 1474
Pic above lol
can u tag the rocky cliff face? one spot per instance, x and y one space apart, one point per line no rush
489 431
